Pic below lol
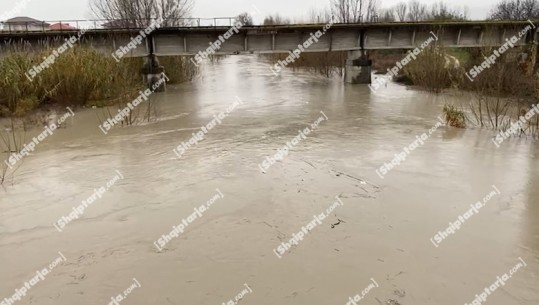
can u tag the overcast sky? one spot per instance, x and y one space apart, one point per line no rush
51 10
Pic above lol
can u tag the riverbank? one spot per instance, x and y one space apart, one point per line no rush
79 77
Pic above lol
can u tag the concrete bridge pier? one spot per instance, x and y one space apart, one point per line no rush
358 68
153 73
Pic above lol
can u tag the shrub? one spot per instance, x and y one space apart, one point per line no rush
454 117
179 69
431 70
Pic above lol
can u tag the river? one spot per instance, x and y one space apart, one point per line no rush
383 232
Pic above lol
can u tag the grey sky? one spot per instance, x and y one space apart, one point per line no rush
51 10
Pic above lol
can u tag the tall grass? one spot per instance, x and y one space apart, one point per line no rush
77 77
179 69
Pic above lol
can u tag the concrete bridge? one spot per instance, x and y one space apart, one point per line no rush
358 39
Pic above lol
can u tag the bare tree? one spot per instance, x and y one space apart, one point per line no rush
275 20
344 11
440 11
245 18
353 11
515 10
141 13
318 16
387 15
417 11
400 10
373 9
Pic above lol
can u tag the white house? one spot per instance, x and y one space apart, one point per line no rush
22 24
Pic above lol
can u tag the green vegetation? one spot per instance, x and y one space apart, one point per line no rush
462 55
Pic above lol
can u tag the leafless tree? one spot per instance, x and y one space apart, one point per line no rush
387 15
140 13
318 16
515 10
353 11
344 11
275 20
400 11
245 18
442 12
373 9
417 11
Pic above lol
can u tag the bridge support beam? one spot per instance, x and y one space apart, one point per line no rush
358 68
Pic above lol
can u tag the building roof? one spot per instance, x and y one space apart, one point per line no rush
24 21
62 26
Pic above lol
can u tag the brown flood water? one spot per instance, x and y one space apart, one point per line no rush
385 225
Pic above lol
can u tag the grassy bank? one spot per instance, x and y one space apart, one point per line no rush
78 77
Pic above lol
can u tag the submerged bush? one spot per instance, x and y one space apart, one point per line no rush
454 117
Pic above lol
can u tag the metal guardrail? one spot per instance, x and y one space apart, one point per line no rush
114 24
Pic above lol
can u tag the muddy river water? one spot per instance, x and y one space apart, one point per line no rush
412 230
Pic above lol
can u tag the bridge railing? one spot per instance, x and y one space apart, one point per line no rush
108 24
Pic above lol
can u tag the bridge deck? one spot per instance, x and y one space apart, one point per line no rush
284 38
